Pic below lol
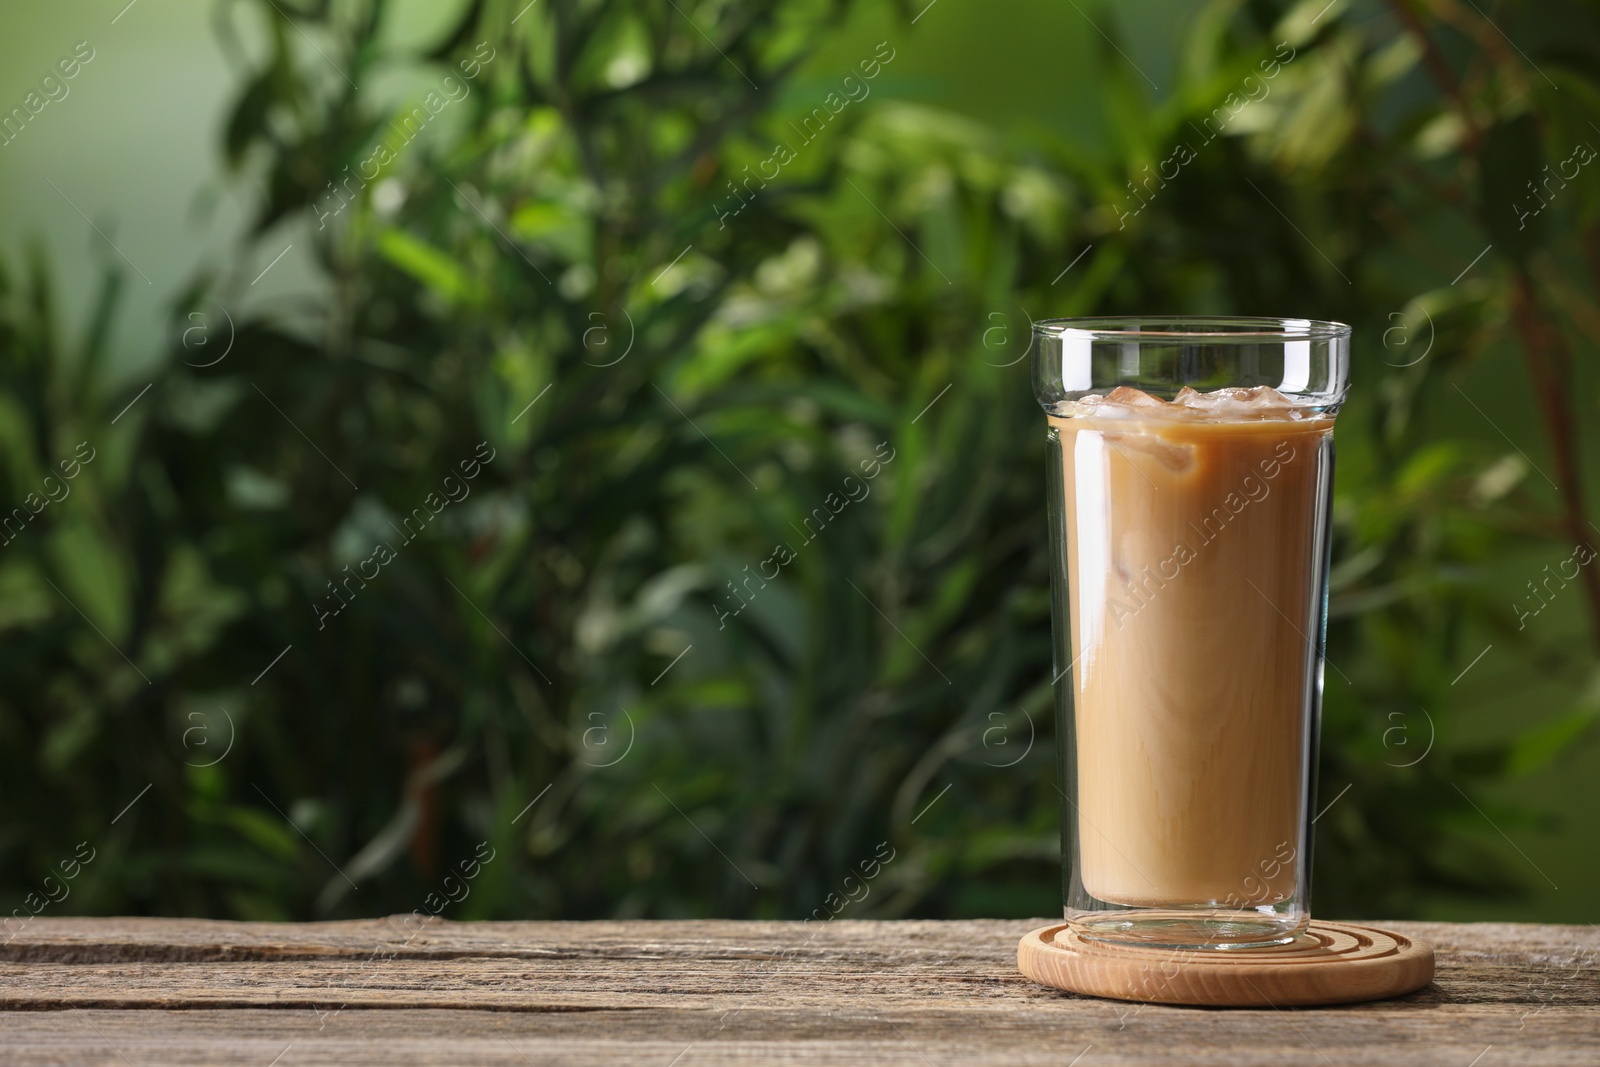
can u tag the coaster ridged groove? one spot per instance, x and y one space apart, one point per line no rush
1331 963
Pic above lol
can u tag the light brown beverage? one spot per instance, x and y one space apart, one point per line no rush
1192 547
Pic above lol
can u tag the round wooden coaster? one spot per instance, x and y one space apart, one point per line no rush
1331 963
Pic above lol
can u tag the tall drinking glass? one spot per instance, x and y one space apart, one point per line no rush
1191 472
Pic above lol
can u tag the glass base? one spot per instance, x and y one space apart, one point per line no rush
1202 931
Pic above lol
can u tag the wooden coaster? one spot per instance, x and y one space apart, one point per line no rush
1331 963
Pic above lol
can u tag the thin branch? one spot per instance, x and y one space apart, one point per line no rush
1439 70
1569 296
1550 367
1490 40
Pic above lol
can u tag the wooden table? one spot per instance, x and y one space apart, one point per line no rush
677 994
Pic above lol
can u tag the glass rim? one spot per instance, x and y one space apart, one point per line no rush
1198 328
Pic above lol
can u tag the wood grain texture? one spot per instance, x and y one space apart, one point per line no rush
1331 963
145 991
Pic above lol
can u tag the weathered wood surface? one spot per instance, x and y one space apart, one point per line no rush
678 994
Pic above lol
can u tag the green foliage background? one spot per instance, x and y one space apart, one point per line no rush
672 377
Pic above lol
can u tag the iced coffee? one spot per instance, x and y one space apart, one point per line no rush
1193 541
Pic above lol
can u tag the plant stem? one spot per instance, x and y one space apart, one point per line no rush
1439 70
1550 367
